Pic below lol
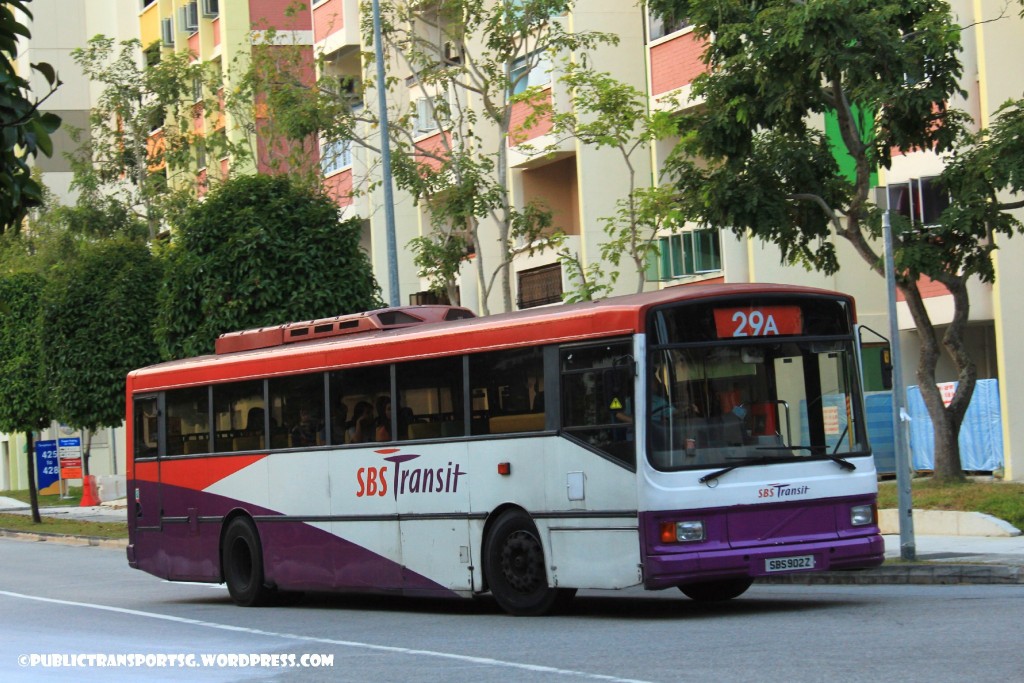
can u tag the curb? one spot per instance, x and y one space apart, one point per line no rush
41 536
918 574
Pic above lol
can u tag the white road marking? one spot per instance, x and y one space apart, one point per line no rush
485 661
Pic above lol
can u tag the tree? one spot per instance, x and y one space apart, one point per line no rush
24 401
142 129
26 130
608 113
753 158
260 250
471 63
98 312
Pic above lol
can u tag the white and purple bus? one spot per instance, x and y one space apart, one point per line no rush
698 437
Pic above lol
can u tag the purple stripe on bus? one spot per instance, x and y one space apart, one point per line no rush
298 555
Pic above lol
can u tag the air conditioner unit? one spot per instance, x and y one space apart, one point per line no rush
452 53
167 32
211 8
189 17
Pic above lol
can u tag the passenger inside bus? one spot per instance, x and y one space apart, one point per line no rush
307 432
361 427
383 432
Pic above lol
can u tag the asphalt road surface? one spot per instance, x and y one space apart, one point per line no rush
80 613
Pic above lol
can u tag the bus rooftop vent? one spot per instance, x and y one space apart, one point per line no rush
381 319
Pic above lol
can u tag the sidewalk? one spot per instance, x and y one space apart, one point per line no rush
941 559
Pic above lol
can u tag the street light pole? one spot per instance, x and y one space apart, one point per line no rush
394 298
899 396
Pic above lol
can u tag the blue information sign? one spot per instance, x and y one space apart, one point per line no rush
47 464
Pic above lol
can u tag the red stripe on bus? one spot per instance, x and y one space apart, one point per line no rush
193 473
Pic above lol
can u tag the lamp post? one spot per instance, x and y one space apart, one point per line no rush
394 298
899 396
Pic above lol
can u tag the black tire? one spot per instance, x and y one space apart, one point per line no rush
515 569
242 564
716 591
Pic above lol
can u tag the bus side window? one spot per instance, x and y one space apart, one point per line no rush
430 399
239 417
356 394
144 412
297 411
507 391
188 421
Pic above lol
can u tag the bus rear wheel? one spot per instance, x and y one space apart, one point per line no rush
515 568
716 591
242 564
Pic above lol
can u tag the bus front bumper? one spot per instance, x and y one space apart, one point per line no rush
666 570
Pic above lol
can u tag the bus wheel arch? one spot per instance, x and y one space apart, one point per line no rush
515 569
242 562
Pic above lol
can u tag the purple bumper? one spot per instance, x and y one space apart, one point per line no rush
760 540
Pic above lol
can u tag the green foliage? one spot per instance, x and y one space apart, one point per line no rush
120 159
97 322
24 400
607 113
260 250
24 130
774 68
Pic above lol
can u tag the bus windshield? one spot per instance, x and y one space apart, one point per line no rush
753 401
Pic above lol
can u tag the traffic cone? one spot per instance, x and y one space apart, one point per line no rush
89 497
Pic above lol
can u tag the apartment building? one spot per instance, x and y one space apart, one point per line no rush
581 185
226 34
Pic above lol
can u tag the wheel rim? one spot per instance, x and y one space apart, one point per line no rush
522 562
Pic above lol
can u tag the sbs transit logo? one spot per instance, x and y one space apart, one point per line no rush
401 479
780 491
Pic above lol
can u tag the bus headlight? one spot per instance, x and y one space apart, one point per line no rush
862 515
682 532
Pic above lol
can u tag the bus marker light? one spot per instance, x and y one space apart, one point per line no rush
504 468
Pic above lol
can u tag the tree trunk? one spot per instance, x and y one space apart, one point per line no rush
946 421
33 495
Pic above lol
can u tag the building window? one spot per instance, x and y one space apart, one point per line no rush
540 286
430 114
920 201
658 27
335 155
523 76
686 253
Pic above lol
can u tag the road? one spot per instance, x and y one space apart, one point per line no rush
59 604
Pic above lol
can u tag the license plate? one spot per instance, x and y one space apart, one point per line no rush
788 564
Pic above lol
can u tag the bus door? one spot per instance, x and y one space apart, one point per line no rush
145 495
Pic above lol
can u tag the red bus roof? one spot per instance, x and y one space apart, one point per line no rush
615 316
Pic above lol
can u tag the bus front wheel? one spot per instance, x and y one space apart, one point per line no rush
242 564
515 569
716 591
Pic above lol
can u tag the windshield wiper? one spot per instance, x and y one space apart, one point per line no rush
725 470
845 464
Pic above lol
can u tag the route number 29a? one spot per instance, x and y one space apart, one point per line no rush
758 321
754 324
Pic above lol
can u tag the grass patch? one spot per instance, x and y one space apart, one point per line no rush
1001 499
70 527
74 493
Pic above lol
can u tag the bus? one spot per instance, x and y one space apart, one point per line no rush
696 437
